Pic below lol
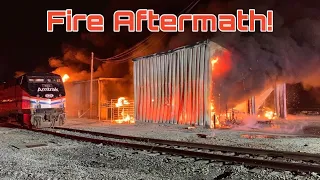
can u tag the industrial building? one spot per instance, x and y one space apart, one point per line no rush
176 87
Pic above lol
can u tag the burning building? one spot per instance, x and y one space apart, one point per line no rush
179 87
110 97
176 86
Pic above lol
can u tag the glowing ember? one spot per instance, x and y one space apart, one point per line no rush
65 77
126 119
269 115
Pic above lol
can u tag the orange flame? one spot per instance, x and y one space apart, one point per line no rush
269 115
122 101
65 77
126 118
214 61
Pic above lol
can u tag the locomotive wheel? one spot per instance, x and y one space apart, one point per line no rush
36 122
19 119
60 120
52 121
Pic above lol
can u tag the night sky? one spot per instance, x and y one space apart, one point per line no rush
26 46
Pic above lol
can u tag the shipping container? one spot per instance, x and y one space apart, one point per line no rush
176 86
104 89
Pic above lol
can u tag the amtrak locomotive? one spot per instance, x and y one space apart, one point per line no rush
34 100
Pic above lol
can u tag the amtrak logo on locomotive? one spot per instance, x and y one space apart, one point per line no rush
49 95
48 89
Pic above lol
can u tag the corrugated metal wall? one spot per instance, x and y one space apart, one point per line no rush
78 95
78 98
175 87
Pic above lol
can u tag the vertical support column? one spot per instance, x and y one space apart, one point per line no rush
91 85
276 101
135 89
252 106
280 96
99 99
283 101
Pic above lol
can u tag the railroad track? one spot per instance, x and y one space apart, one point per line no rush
291 161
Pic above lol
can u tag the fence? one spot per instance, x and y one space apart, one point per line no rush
119 110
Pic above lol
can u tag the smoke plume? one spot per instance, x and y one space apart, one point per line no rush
76 62
259 60
256 61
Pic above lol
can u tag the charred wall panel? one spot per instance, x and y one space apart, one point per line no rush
176 86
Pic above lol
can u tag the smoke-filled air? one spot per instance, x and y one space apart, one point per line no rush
256 61
259 60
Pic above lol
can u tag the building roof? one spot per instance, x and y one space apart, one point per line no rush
173 50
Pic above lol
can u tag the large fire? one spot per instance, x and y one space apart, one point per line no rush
216 123
221 120
65 77
125 117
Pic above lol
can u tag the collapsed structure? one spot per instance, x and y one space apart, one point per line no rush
177 87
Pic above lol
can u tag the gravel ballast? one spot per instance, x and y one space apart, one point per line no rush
68 159
271 139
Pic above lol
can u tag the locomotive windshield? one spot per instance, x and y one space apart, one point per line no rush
44 86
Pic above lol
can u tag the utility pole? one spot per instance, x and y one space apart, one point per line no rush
91 84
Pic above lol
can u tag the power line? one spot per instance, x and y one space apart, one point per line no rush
138 45
130 57
130 50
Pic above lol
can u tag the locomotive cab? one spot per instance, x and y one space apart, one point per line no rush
42 99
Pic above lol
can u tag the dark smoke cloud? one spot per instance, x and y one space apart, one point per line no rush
73 58
97 39
73 54
259 60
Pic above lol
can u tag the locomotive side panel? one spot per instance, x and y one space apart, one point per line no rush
34 99
9 99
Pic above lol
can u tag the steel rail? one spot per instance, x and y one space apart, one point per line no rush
248 161
252 151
